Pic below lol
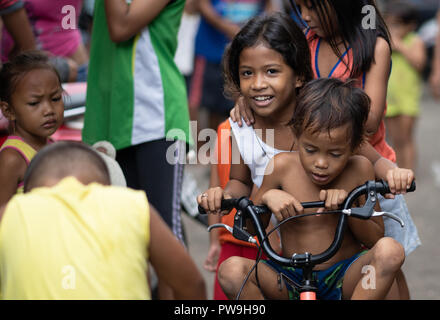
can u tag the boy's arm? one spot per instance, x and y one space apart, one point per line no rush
368 232
398 179
376 83
17 24
281 203
415 53
124 20
172 262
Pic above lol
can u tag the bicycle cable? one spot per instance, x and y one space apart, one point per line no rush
260 250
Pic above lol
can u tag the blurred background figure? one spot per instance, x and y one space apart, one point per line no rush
55 27
13 18
435 74
405 83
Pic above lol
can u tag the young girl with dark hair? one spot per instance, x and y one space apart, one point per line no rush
267 63
31 99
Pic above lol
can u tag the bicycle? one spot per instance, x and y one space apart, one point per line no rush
306 261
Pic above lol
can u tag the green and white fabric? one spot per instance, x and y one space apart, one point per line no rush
135 91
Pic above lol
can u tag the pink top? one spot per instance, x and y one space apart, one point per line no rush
341 71
52 22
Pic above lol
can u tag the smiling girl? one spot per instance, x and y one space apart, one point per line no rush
31 99
266 64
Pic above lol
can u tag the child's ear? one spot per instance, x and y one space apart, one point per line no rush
299 83
7 111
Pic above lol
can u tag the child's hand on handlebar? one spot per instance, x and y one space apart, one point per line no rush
333 198
399 179
282 204
211 200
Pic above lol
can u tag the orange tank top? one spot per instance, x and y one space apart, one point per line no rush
341 70
224 158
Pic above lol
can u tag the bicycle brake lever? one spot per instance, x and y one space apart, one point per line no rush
390 215
360 214
220 225
239 234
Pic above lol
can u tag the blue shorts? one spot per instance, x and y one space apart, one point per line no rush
328 281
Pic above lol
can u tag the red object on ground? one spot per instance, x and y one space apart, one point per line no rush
2 139
65 133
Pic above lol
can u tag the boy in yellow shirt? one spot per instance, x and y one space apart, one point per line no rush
73 236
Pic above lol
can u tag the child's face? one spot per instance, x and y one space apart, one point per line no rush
324 155
310 15
397 27
266 82
36 104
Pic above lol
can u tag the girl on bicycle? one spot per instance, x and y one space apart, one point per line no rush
31 99
267 64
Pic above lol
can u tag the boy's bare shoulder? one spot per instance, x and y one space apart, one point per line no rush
286 159
360 167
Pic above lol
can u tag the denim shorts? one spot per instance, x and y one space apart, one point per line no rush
407 236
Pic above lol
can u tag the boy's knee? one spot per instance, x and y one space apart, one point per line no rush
389 254
231 274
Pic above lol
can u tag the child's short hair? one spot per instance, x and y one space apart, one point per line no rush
327 103
14 70
280 33
405 11
62 159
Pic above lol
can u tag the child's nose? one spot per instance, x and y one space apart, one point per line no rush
48 108
321 163
259 82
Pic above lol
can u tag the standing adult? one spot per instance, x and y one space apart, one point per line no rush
220 21
55 27
16 22
136 98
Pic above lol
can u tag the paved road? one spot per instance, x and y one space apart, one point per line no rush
422 267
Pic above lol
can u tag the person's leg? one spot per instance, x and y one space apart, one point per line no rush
162 182
161 179
127 161
372 276
233 272
229 249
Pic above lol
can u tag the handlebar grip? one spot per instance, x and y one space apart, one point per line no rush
226 204
383 187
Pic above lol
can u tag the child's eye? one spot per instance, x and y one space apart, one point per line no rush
33 103
272 71
56 99
309 150
335 154
246 73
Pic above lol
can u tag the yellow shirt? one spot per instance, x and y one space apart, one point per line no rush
75 242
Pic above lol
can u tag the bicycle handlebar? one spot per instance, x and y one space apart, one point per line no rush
246 209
